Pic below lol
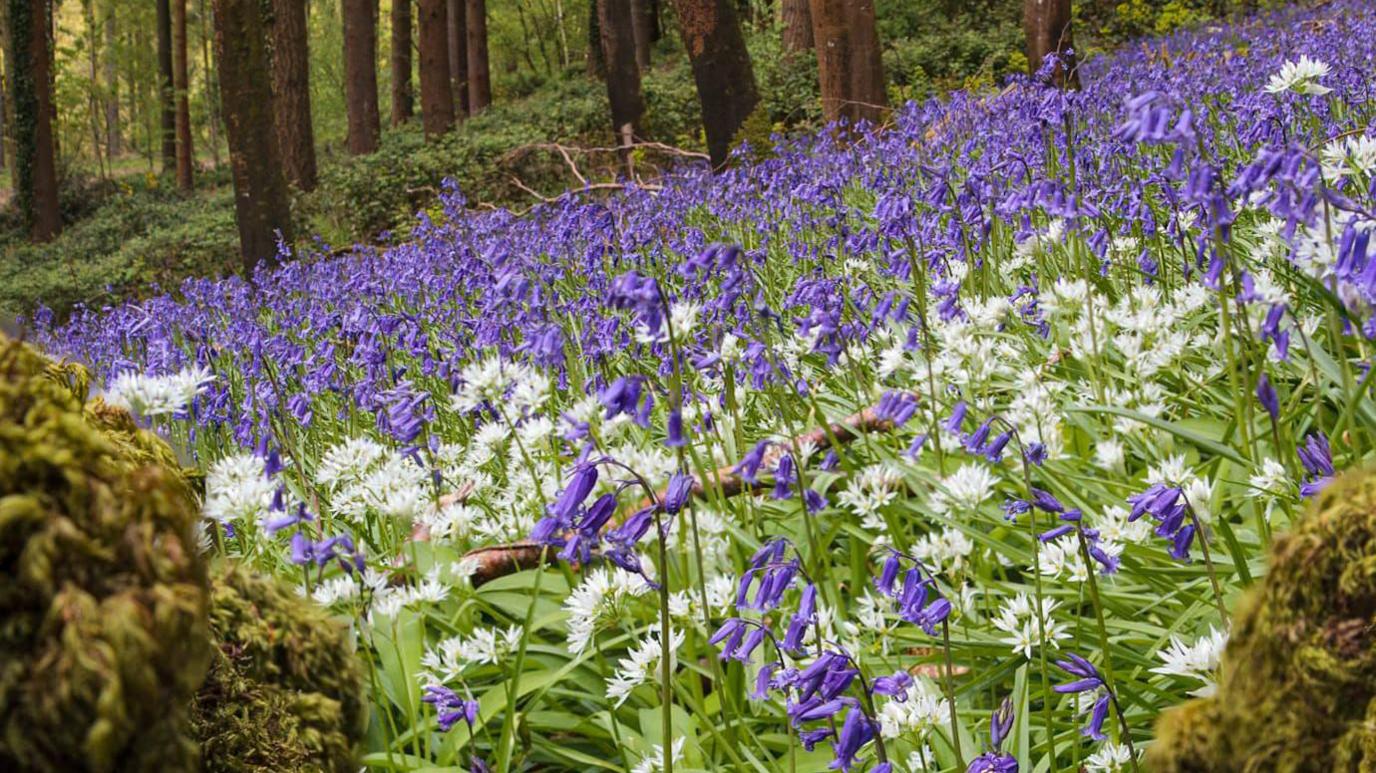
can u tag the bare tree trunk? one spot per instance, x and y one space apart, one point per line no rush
291 91
640 25
180 84
360 74
212 98
166 99
479 80
403 99
31 88
92 87
797 24
458 55
848 64
260 191
4 119
436 89
1047 26
597 63
721 68
623 76
112 147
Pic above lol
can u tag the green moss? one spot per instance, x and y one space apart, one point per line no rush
1297 685
285 690
102 591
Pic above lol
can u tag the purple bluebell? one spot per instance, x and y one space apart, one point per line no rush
1266 395
749 466
450 707
1317 460
677 493
957 417
895 686
784 477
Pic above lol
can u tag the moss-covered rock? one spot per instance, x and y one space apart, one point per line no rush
285 690
103 636
1297 684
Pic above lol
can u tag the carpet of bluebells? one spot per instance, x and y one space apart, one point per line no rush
1096 348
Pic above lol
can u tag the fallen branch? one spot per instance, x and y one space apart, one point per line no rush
500 560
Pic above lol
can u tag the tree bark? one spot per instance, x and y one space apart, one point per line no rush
291 92
166 99
641 26
112 145
1046 24
458 55
360 75
623 76
436 89
797 25
721 69
479 80
403 99
260 191
597 63
31 89
180 85
210 83
848 64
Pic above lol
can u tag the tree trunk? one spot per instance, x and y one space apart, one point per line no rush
1047 26
403 99
597 63
848 64
360 74
31 89
436 89
166 99
721 68
260 191
640 25
180 85
479 81
112 147
623 76
797 25
458 55
291 92
211 97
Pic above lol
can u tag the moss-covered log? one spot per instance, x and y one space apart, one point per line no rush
285 690
103 634
1297 685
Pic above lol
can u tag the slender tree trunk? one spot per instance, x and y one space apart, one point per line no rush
291 91
1047 26
211 98
597 63
848 64
623 76
436 89
403 100
797 25
166 90
458 54
360 74
4 119
640 26
88 14
112 148
479 80
721 68
180 84
260 191
31 89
